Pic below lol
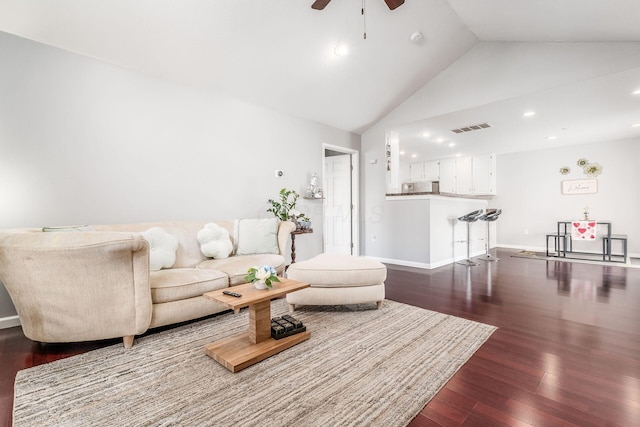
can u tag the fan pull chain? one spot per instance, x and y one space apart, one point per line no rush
364 21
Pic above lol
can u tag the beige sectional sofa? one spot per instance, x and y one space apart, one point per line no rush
90 285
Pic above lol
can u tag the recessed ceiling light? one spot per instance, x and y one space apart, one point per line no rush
529 114
440 140
635 125
452 144
551 137
413 156
636 92
402 152
458 154
426 134
341 50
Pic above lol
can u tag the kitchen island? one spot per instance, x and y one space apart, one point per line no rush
426 232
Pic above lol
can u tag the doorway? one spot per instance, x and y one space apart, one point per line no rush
340 205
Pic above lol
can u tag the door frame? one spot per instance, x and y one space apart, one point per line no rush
355 194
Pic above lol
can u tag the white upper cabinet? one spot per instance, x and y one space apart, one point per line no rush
471 175
484 174
432 171
424 171
464 175
416 171
448 176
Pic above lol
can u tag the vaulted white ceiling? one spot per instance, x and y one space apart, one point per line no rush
280 53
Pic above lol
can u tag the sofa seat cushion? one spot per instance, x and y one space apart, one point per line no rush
236 266
337 271
176 284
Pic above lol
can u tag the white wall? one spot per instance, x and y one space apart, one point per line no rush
84 142
529 186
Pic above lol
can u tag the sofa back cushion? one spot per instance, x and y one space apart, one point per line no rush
188 253
257 236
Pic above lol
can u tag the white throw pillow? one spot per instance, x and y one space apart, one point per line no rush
162 248
257 236
215 241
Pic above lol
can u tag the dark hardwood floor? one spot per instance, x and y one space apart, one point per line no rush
567 351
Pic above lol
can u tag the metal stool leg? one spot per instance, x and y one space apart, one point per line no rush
488 256
468 261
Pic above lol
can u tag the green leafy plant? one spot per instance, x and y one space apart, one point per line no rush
284 207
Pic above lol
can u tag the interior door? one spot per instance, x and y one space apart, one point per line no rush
338 205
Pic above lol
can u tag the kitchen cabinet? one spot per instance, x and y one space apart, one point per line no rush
464 175
432 171
447 171
424 171
484 174
416 171
471 175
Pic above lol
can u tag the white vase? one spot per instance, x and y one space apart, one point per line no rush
260 284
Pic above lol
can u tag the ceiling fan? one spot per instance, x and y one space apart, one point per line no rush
321 4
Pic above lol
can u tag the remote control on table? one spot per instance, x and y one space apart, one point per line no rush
232 294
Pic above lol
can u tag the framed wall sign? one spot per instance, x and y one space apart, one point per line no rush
580 186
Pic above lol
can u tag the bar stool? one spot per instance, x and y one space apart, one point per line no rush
490 216
469 218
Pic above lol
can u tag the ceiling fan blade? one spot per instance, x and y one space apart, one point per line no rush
320 4
394 3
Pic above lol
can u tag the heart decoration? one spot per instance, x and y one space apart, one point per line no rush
583 230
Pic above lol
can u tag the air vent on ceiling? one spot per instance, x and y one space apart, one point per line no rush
471 128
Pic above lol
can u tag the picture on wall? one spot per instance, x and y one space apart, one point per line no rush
579 186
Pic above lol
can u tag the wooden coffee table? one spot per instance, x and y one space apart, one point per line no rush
247 348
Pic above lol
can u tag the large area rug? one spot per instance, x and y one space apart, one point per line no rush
361 366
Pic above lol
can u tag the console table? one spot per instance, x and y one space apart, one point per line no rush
564 231
293 241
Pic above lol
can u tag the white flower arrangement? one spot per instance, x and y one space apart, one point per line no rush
265 274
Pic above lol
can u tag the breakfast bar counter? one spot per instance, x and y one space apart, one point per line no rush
425 231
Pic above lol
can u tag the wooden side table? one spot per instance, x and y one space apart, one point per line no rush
293 241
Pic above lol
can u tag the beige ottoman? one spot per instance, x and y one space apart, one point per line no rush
337 280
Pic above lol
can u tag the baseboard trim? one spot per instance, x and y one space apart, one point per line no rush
423 265
9 322
402 262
